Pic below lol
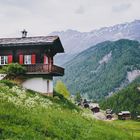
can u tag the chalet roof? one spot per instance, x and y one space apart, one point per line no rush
108 111
28 40
32 41
94 105
124 112
119 113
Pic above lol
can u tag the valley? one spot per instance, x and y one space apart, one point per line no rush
103 69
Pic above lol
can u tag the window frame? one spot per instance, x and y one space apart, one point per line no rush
5 60
28 59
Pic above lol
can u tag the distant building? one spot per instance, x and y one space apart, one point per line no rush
108 116
36 55
138 117
108 111
94 107
124 115
85 103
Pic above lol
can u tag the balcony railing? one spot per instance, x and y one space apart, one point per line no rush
44 69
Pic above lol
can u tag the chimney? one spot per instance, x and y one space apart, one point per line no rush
24 33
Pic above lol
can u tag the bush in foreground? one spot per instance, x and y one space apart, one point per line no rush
13 69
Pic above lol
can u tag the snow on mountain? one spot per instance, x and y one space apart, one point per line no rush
75 41
133 75
106 58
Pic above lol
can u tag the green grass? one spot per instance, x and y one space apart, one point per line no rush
26 115
133 127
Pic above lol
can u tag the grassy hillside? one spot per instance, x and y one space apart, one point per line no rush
133 127
26 115
102 68
126 99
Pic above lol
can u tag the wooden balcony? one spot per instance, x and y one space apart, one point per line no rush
38 69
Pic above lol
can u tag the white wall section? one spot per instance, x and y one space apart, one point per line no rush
39 84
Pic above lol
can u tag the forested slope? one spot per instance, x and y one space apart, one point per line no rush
126 99
103 68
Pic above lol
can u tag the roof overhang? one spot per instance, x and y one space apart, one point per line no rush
52 41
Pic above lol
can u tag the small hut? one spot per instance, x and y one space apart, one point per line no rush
108 111
86 105
124 115
138 117
95 107
108 116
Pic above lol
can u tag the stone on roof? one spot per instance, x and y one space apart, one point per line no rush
28 40
125 112
119 113
94 105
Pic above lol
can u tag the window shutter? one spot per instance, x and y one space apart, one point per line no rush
45 59
20 59
33 59
10 59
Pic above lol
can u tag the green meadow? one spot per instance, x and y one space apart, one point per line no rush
27 115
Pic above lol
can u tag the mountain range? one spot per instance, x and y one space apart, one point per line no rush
75 42
103 69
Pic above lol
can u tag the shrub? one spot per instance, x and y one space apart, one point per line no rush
62 89
78 97
8 83
13 69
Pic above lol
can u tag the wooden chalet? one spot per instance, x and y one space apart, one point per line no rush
94 107
36 54
138 117
85 103
108 111
108 116
124 115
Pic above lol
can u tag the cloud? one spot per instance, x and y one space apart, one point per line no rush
40 17
121 7
80 10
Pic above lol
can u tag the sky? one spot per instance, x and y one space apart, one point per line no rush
41 17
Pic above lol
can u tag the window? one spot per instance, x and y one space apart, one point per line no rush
3 60
27 59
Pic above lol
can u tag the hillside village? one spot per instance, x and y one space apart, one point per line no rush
69 70
23 73
107 114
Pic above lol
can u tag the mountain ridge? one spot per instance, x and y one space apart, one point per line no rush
75 42
103 68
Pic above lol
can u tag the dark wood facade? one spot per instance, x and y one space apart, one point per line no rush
124 115
41 49
95 109
109 116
